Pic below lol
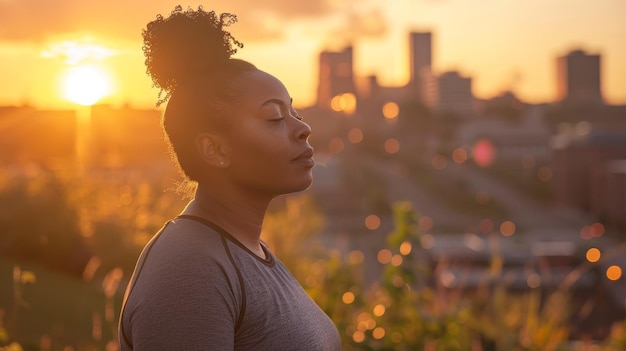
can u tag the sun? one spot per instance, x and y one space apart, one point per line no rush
86 84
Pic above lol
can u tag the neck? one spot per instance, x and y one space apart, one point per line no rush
241 216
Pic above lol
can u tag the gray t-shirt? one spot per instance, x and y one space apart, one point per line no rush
195 287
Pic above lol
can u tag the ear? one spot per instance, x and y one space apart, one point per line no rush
212 148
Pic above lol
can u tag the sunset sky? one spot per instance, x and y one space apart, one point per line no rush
501 44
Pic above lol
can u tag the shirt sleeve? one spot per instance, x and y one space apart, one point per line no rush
187 304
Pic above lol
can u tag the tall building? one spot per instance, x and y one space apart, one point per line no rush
454 94
578 78
420 64
336 76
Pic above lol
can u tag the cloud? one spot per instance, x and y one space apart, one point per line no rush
360 24
36 20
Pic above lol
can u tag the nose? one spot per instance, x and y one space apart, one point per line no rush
303 130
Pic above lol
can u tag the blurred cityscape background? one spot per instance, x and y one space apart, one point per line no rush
437 220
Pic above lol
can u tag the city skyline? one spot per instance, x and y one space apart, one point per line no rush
501 46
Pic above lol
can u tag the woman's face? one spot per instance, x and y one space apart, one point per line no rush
268 149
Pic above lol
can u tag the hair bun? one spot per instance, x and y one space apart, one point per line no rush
186 44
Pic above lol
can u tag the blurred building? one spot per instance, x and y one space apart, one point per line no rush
336 76
95 137
527 138
590 174
33 136
453 95
420 63
126 137
578 78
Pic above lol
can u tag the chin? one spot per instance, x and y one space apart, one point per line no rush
301 186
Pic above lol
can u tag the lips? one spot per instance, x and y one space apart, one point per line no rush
308 153
306 158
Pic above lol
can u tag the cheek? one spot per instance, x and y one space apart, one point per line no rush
259 150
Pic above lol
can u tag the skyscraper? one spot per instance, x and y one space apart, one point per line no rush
578 78
420 64
336 76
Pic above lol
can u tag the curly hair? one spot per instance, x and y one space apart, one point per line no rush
185 44
188 56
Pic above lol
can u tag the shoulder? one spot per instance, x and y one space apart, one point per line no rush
184 252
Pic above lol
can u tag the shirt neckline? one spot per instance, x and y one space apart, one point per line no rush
269 258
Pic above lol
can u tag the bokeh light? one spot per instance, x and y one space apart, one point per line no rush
507 228
425 223
384 256
593 255
396 260
345 103
484 152
379 310
459 155
533 280
391 110
356 257
427 241
597 230
405 248
372 222
392 146
378 333
614 272
355 135
336 145
348 297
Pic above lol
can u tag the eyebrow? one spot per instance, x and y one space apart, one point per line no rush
276 101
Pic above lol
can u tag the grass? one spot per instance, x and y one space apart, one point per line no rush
58 310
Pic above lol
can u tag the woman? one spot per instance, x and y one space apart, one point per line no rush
206 281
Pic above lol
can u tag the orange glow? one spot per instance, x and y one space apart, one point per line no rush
507 228
484 152
593 255
597 230
396 260
86 85
459 155
358 336
405 248
391 110
345 103
427 241
533 280
614 272
384 256
336 145
356 257
372 222
425 223
378 333
355 135
585 232
379 310
348 297
392 145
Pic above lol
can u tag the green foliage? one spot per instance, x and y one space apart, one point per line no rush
405 308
